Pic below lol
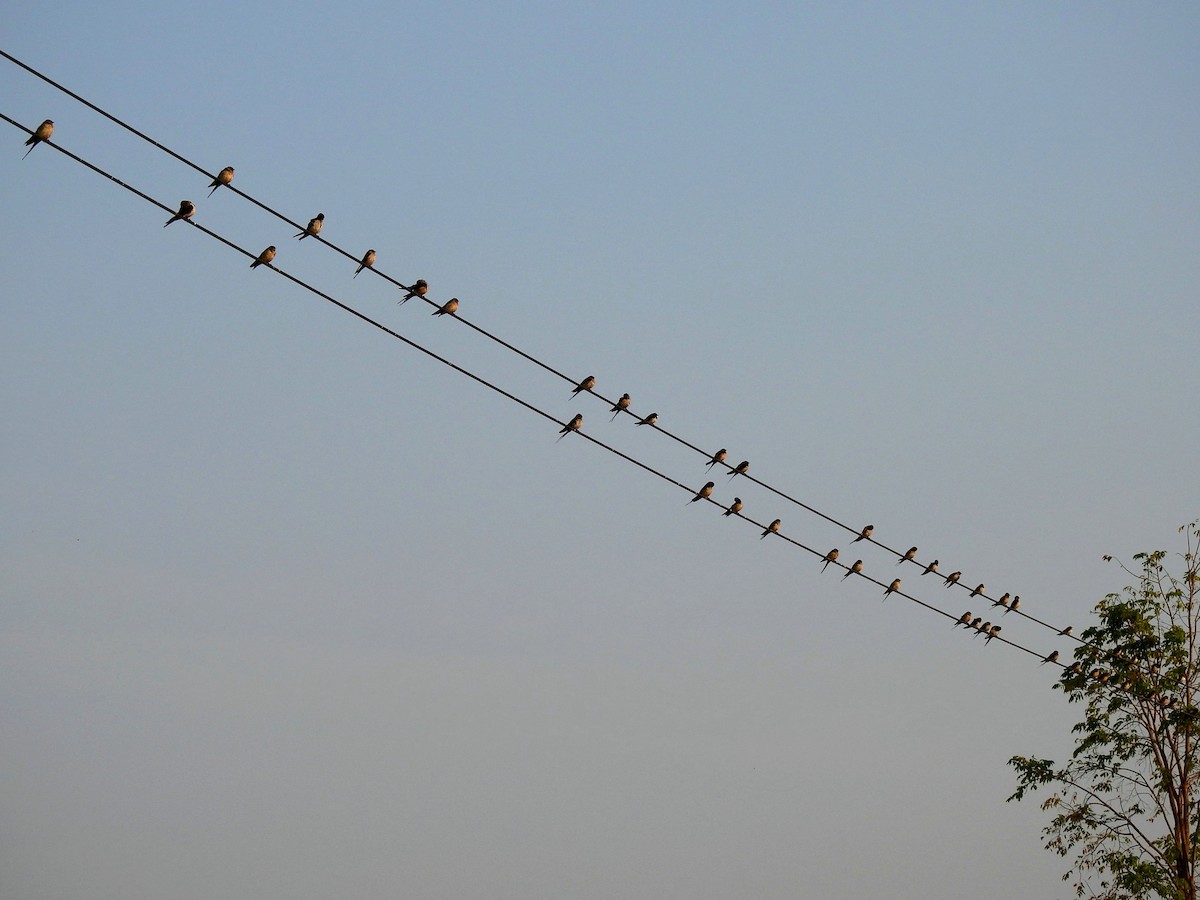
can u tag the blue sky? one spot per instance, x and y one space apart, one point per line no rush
288 610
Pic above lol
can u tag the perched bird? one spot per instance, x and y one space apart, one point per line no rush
994 632
855 569
366 262
985 628
41 133
978 589
1076 667
908 555
314 227
187 209
1016 603
1003 601
831 556
932 567
1094 674
586 385
735 507
573 425
649 420
620 406
952 578
773 528
1066 632
864 534
892 588
263 258
964 619
740 469
704 493
223 177
718 457
449 308
1053 657
419 289
974 623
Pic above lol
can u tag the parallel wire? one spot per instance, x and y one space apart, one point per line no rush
506 394
507 345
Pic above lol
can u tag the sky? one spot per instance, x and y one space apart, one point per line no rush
290 610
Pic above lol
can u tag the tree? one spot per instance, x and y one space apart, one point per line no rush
1125 805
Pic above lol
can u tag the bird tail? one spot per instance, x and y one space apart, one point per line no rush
32 143
214 190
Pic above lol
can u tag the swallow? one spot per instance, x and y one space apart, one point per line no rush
573 425
735 507
1076 668
1016 603
1003 601
864 534
952 578
314 227
773 528
978 589
964 619
419 289
974 623
831 556
449 308
704 493
1053 657
1094 674
1066 632
263 258
740 469
908 555
892 588
41 133
649 420
985 628
187 209
366 262
718 457
620 406
586 385
994 632
223 177
932 567
855 569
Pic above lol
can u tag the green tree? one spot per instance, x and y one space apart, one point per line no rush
1125 804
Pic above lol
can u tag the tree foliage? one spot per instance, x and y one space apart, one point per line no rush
1125 804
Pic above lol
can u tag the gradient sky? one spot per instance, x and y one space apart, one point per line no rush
288 610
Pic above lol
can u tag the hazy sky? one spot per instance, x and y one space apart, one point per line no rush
288 610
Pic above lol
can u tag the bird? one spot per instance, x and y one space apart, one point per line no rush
978 589
932 567
831 556
985 628
1016 603
773 528
995 632
974 623
864 534
573 425
366 262
1105 557
187 209
740 469
1076 667
892 588
855 569
952 578
419 289
735 507
586 385
449 308
908 555
718 457
223 177
964 619
314 227
620 405
1066 632
704 493
263 258
649 420
41 133
1003 601
1053 657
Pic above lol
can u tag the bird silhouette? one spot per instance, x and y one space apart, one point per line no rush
1066 632
855 569
908 555
964 619
982 629
263 258
573 425
978 589
1003 601
995 632
41 133
932 567
586 385
892 588
740 469
419 289
704 493
314 227
718 457
620 406
773 528
1053 657
735 507
366 262
449 308
831 556
187 209
864 534
952 578
649 420
223 177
